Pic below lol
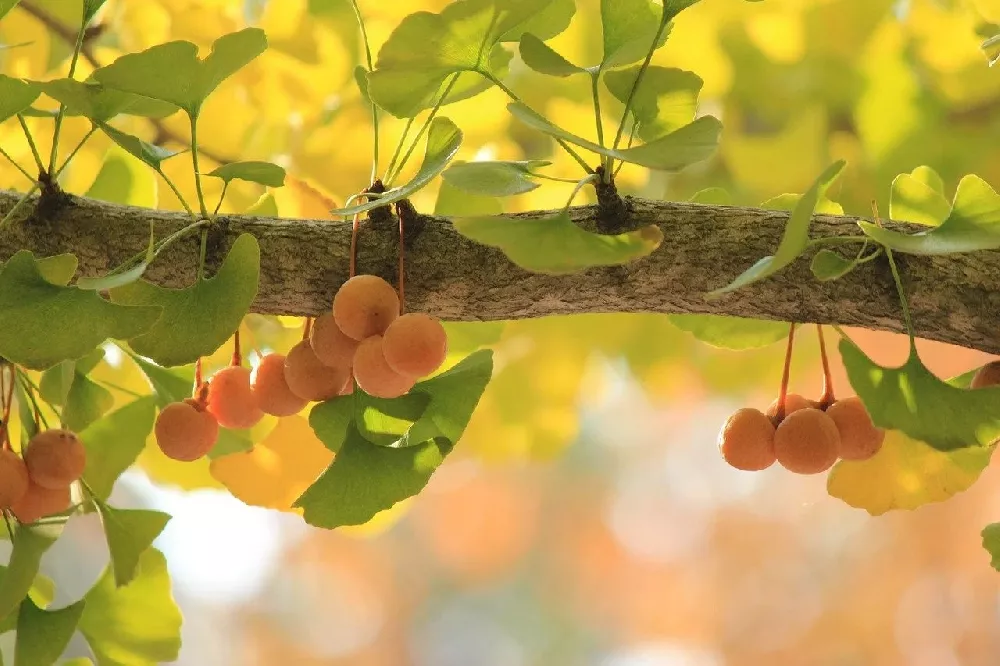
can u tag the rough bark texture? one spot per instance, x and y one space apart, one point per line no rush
955 299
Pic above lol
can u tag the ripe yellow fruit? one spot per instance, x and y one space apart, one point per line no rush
793 403
55 458
807 442
39 502
988 375
373 374
308 378
230 399
271 390
415 345
746 440
186 431
13 479
330 344
859 438
365 306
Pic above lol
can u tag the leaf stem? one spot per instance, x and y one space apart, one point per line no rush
177 193
399 147
562 143
664 22
17 206
31 143
779 414
827 398
579 186
16 165
29 389
371 67
201 255
77 47
595 78
225 186
902 297
423 130
73 152
194 162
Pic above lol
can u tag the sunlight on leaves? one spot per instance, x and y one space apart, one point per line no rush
101 103
263 173
130 533
918 197
666 100
494 179
114 442
15 95
42 635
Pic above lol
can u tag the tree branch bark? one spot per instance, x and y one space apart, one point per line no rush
955 299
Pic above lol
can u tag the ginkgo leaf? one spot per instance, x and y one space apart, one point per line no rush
43 635
198 319
905 474
916 197
101 103
712 196
556 245
828 265
136 624
90 9
453 202
173 73
912 399
146 152
796 237
15 96
629 27
426 50
666 99
30 543
736 333
991 542
542 58
114 442
129 533
683 147
494 179
86 320
6 6
973 224
168 384
365 478
443 141
254 171
278 469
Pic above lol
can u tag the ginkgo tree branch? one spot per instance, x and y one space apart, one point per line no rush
954 298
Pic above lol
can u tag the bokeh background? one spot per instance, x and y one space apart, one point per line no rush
586 517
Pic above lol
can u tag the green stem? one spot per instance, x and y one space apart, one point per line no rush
631 140
194 162
664 22
371 66
579 186
423 130
17 206
16 165
120 389
73 153
177 193
399 147
595 79
158 248
29 389
201 255
565 146
77 47
902 298
31 143
225 186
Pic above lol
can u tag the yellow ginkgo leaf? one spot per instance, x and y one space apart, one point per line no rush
906 474
277 470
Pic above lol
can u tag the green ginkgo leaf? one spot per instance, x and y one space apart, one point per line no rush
197 320
629 28
991 542
15 96
263 173
114 442
973 224
43 635
918 197
443 141
494 179
147 152
736 333
85 319
796 237
556 245
542 58
129 533
681 148
30 543
173 73
666 99
101 103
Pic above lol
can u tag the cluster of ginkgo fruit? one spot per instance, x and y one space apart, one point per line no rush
804 436
364 339
39 484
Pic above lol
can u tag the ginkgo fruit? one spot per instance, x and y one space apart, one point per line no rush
746 440
186 431
55 458
271 390
39 502
308 378
365 306
330 344
793 403
230 399
373 374
859 438
988 375
13 478
807 442
415 344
